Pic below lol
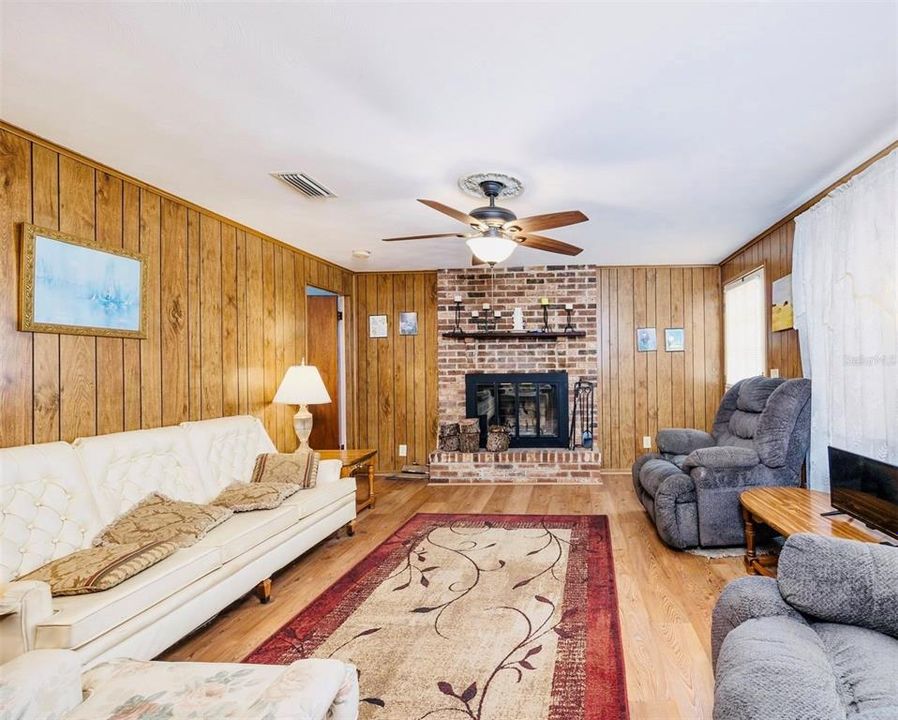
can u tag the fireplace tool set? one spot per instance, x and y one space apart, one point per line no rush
583 409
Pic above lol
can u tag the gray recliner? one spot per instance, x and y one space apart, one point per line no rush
760 437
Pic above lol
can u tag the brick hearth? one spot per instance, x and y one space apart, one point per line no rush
506 289
517 466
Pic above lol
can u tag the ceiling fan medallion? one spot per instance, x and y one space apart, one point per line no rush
471 184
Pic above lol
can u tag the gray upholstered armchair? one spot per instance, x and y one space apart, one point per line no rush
760 437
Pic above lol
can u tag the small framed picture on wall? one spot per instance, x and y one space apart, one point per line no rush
377 326
674 340
646 339
408 323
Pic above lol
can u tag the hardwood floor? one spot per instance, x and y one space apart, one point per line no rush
665 597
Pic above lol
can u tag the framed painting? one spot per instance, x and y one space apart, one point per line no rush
646 339
75 287
377 326
782 316
408 323
674 340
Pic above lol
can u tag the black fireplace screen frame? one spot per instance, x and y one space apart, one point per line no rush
558 379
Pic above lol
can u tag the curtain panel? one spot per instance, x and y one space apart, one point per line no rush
844 269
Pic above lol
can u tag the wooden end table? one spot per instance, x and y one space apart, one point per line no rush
355 461
788 511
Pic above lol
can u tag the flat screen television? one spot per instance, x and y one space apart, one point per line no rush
864 488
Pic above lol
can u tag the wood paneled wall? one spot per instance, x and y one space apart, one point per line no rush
226 308
397 375
640 392
773 252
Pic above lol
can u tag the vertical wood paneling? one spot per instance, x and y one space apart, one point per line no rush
45 198
210 314
640 392
229 350
16 397
174 315
396 377
131 368
151 348
194 309
77 353
222 324
110 370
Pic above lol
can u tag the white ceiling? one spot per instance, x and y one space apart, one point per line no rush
680 129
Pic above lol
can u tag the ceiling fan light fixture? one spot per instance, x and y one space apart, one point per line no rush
491 249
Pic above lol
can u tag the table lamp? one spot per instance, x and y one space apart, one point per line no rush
302 385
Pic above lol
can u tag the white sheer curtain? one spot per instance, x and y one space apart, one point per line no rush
844 268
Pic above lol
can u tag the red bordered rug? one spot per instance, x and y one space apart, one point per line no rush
487 617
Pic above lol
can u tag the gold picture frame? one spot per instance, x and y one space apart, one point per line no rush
61 251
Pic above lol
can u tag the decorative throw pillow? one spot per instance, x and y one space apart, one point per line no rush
99 568
297 468
241 497
158 518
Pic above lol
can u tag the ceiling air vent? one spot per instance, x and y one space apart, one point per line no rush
306 185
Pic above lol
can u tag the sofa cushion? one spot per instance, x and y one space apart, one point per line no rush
862 581
775 667
682 441
309 501
47 510
123 468
865 663
160 518
244 531
247 497
300 468
99 568
226 448
754 392
78 619
744 424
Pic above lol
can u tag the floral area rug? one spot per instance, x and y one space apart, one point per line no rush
486 617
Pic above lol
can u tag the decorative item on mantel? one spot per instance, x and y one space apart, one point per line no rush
469 435
457 302
518 320
498 438
544 301
569 309
449 436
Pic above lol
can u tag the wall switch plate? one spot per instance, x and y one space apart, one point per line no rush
774 372
403 450
646 442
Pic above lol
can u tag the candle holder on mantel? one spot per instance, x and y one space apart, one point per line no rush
544 302
569 310
487 323
457 327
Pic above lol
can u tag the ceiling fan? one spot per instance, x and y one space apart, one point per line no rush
498 231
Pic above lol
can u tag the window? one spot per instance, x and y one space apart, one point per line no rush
745 327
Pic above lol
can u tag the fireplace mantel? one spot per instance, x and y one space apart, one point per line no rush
551 336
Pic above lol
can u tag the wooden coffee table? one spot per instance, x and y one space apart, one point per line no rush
788 511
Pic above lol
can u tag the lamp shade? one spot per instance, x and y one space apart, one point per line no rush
302 385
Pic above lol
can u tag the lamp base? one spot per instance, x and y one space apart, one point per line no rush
302 425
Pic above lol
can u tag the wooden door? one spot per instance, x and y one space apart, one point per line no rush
323 353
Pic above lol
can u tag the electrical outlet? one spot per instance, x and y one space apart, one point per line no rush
646 442
403 450
774 372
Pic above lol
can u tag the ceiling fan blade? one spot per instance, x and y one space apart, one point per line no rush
453 213
547 221
423 237
538 242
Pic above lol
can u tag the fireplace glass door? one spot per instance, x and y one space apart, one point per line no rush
533 406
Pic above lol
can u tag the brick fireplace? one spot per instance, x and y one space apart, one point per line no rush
504 290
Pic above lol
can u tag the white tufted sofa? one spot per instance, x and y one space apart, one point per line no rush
56 497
